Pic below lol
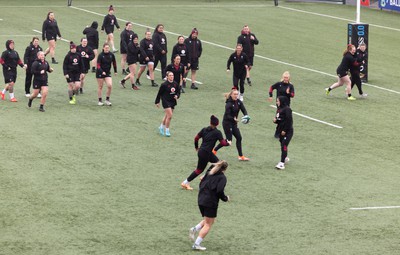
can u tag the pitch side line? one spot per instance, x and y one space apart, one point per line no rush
313 119
375 208
229 48
16 35
333 17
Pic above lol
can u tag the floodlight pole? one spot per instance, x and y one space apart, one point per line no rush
358 11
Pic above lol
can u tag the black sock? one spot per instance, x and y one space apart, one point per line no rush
100 99
329 89
349 95
41 106
107 98
152 82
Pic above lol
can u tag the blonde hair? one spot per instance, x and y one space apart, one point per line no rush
220 166
228 95
285 74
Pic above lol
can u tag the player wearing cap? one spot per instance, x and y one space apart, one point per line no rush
210 136
195 49
10 59
73 68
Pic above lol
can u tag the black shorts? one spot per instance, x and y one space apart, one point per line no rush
109 30
101 76
51 37
131 62
168 104
208 211
144 62
73 77
251 59
39 84
9 76
341 75
194 64
204 157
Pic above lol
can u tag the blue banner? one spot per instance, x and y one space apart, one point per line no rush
393 5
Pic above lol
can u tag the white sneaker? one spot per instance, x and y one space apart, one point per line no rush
280 166
241 98
192 233
198 247
287 160
100 103
39 95
27 95
108 103
148 77
364 95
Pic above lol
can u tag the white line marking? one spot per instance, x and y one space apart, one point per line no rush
17 35
333 17
375 208
310 118
256 55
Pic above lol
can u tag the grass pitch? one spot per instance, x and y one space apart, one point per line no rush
83 179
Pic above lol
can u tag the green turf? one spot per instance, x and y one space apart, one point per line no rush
83 179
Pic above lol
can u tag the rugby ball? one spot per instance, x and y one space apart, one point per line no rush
245 119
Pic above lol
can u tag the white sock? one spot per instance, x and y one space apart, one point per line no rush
198 240
4 91
162 126
198 227
11 95
185 181
167 130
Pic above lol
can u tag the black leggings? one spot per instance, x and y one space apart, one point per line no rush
232 130
355 79
239 81
28 81
204 158
163 60
285 140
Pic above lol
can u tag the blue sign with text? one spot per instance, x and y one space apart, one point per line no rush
393 5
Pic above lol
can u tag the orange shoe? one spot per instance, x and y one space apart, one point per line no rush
186 186
243 158
214 152
3 96
13 99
